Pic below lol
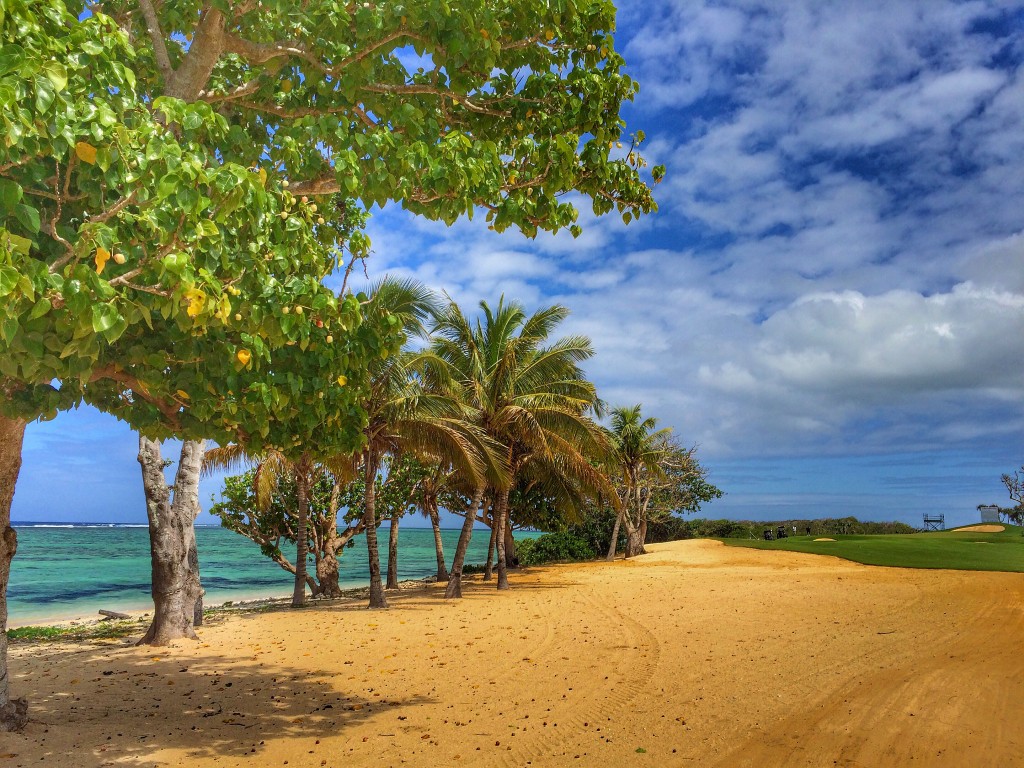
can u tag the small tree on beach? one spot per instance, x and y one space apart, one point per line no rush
640 451
654 478
271 522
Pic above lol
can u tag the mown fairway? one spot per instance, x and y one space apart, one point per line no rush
955 549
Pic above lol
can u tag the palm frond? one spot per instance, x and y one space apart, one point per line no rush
231 458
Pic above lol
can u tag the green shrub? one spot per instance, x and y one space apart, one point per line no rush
560 547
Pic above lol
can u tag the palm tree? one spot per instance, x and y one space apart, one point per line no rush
530 397
405 416
639 448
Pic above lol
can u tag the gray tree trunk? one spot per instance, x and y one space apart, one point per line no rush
635 543
13 712
393 553
500 516
176 586
615 537
301 534
454 589
510 543
435 523
377 599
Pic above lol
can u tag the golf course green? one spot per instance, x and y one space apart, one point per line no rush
955 549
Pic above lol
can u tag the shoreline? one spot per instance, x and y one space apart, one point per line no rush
250 602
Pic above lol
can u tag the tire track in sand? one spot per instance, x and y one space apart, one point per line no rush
630 662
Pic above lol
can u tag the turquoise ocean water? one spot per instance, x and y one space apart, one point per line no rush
63 572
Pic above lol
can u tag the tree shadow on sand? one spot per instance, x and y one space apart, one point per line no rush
95 706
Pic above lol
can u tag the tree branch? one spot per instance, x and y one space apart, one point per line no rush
189 79
125 379
156 35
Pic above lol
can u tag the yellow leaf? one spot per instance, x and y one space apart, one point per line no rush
263 177
102 257
549 35
86 152
342 381
196 302
244 356
183 394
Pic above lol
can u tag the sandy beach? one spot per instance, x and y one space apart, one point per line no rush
694 655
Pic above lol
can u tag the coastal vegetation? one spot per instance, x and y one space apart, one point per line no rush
176 185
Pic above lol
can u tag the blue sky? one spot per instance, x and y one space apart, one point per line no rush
830 302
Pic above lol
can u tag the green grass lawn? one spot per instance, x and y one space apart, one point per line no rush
954 549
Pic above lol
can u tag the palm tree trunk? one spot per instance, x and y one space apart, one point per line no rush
454 589
377 599
176 585
435 523
393 552
489 565
301 534
500 515
615 537
13 712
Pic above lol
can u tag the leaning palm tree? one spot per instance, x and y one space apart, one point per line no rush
404 416
639 448
529 396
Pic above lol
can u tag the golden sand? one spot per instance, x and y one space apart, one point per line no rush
694 655
984 528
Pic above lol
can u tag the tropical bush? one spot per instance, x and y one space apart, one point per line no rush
560 547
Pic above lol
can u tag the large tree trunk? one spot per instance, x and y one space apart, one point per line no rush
393 553
13 712
176 585
489 565
615 536
377 599
454 589
327 566
435 523
327 575
635 542
500 516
